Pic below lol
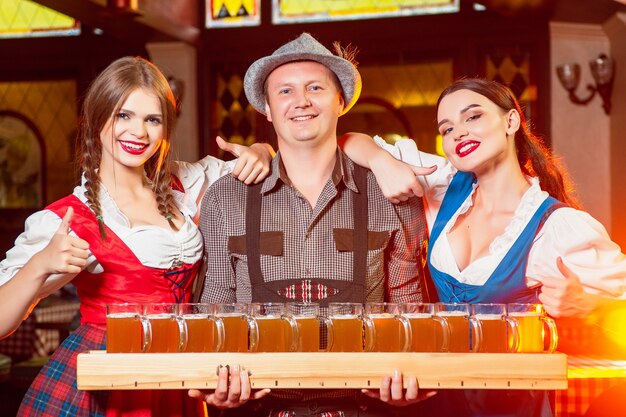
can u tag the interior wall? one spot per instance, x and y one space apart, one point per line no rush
616 31
178 60
581 135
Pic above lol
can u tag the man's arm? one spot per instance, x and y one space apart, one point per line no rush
233 385
406 253
219 284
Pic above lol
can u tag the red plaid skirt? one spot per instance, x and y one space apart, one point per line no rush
54 392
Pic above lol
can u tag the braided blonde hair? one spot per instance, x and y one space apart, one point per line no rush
104 98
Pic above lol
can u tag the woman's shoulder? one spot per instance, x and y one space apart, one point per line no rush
209 167
566 219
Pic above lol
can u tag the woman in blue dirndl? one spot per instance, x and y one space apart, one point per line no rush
503 227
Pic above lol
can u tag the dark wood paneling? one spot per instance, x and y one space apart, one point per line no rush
462 37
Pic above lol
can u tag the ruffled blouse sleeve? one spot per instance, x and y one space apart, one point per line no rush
585 247
39 229
195 178
436 184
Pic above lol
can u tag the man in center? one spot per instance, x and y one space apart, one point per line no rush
317 229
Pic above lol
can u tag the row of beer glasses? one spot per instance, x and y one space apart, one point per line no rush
498 328
345 327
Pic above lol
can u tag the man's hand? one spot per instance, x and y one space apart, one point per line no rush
233 390
253 163
392 391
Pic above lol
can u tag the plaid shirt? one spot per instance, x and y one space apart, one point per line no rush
312 245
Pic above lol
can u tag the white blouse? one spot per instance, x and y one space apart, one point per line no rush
581 241
154 246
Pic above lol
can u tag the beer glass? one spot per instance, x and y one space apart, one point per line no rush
272 330
532 323
458 317
124 328
498 332
308 319
167 331
391 332
205 331
346 328
234 317
429 333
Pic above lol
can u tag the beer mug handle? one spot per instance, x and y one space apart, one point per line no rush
513 327
219 325
554 337
445 329
477 333
406 324
253 328
370 333
146 327
329 334
295 334
182 333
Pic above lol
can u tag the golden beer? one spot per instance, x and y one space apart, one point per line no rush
235 332
308 334
389 333
165 334
273 334
458 321
347 334
423 329
494 332
530 331
124 334
201 333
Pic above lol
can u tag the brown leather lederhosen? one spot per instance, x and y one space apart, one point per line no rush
349 291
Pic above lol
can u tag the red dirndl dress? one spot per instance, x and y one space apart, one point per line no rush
125 279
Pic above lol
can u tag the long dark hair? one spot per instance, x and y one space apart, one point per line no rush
534 157
105 97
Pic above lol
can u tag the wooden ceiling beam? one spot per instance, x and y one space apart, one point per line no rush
141 26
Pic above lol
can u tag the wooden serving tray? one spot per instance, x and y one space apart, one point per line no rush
98 370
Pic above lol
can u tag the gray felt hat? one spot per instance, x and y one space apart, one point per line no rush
304 48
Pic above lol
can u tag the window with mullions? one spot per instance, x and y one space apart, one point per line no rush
232 13
299 11
27 19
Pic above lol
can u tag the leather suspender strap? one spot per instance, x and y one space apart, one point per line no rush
360 215
253 233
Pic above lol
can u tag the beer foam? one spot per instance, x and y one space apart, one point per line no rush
345 317
381 315
455 313
268 317
524 314
488 316
160 316
417 315
121 315
195 316
229 315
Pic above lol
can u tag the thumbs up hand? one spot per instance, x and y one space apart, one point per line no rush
65 254
253 163
565 296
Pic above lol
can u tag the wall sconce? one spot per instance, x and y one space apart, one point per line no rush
123 7
603 71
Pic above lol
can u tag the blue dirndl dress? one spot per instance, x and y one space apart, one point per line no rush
507 284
